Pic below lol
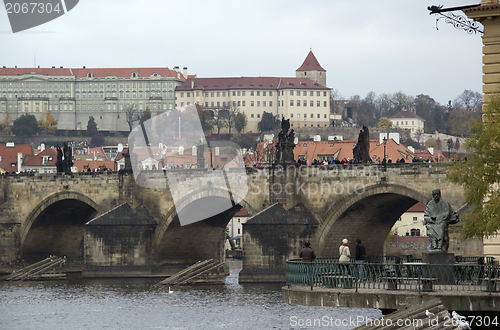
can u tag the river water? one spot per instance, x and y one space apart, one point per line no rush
143 304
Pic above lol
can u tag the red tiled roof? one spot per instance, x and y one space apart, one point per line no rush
225 83
43 71
406 114
30 160
97 72
11 152
6 164
419 207
344 149
125 72
241 213
310 63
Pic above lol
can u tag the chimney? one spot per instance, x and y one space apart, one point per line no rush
61 67
53 67
185 72
176 69
192 84
42 147
19 162
431 150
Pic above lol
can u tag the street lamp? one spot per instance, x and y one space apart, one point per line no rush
385 160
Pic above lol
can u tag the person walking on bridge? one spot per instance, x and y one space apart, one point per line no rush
360 256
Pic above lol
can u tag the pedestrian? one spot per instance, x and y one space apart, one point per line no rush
345 256
360 257
344 252
307 254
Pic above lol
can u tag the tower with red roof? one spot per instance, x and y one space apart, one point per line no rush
311 69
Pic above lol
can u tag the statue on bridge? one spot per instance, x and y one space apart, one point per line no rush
286 143
361 152
64 159
437 216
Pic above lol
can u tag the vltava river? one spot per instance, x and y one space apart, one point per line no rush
142 304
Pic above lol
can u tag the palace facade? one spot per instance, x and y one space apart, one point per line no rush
73 95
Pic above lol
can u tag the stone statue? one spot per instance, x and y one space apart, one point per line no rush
361 152
286 143
437 216
59 162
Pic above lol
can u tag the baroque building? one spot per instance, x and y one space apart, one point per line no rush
303 99
74 95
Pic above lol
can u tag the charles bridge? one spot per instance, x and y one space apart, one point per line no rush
49 214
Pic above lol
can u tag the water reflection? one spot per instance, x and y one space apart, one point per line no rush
143 304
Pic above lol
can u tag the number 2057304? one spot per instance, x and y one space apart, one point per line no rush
32 7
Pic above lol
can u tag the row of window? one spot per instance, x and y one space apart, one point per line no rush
83 85
312 115
311 103
252 93
405 122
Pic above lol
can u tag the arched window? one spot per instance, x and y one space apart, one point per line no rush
415 232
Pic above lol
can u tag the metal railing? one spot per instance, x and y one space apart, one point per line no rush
413 276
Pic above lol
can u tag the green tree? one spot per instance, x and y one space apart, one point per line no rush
384 122
240 121
268 122
91 127
480 176
25 126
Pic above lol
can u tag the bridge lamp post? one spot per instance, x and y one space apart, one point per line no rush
385 160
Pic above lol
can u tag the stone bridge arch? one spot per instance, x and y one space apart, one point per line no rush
56 226
201 240
369 216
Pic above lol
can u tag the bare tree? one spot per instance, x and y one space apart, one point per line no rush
220 117
132 114
468 100
232 112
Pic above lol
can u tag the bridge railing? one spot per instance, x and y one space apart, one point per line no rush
412 276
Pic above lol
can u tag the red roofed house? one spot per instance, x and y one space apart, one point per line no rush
9 156
73 95
408 120
43 162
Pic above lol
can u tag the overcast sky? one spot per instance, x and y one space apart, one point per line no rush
380 46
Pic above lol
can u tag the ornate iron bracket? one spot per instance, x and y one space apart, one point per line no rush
458 21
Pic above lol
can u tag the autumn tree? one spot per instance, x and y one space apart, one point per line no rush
480 176
47 123
384 122
7 122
